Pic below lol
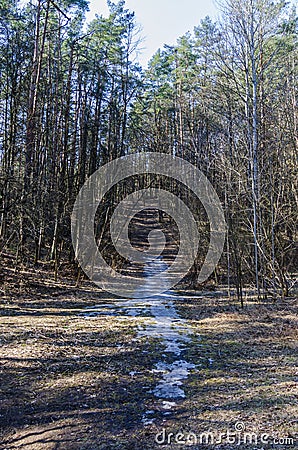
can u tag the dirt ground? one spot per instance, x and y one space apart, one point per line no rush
68 382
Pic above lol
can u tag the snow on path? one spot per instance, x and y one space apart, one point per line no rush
163 323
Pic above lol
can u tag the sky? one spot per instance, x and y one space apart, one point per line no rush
162 21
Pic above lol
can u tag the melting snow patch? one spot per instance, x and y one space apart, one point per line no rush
173 374
168 405
147 421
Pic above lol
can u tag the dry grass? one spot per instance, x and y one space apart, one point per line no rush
67 382
253 375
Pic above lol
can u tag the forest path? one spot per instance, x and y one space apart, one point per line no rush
155 317
83 370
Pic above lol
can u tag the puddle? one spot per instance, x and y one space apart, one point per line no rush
160 320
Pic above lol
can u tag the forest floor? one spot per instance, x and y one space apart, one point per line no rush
73 382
